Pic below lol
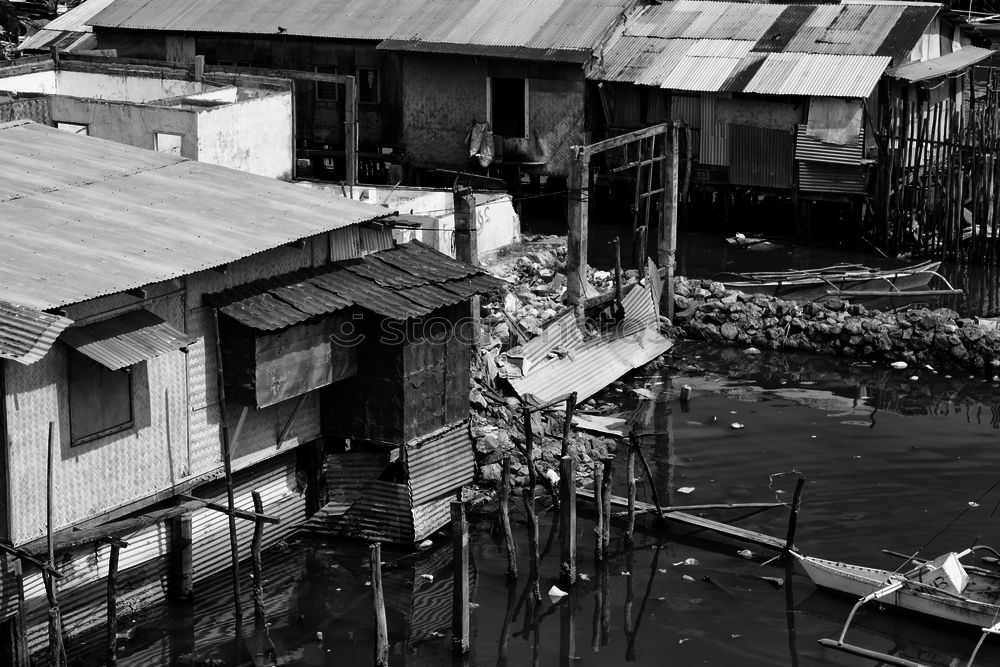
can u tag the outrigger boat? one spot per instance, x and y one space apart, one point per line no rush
943 588
853 281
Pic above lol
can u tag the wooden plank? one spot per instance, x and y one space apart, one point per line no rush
615 142
735 532
239 514
885 293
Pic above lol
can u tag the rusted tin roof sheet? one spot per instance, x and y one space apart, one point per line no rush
440 463
82 217
561 30
942 65
703 46
407 281
67 32
127 339
588 366
27 334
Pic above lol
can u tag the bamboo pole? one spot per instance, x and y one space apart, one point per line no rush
568 423
630 477
228 466
258 570
381 629
508 535
667 242
599 507
57 652
606 502
634 441
460 588
793 516
112 634
529 509
567 522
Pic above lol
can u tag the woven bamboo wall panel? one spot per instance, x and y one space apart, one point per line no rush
101 474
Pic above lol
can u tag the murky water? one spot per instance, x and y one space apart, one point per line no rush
890 463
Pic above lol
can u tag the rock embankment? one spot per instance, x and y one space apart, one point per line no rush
920 336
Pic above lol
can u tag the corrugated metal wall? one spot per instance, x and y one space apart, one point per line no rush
714 145
760 157
358 240
210 529
441 464
826 177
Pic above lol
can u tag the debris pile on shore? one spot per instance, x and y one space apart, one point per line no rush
919 336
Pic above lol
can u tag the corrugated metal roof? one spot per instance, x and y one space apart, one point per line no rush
407 281
71 24
82 217
547 29
488 50
27 334
942 65
127 339
593 364
701 46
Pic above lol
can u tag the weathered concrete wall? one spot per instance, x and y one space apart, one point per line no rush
444 95
100 86
254 135
127 123
920 336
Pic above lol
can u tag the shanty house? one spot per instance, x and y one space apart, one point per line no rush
780 99
230 120
129 279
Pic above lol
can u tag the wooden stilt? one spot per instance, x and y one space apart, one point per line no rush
529 509
112 635
460 599
667 246
630 476
529 448
181 562
634 442
381 629
567 522
793 516
606 503
599 507
258 576
568 422
576 239
508 535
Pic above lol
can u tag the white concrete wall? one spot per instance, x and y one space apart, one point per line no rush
254 136
100 86
36 82
496 222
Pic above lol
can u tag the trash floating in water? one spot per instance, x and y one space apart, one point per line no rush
734 636
898 365
583 577
685 489
973 503
428 577
644 393
777 582
691 561
556 593
426 544
552 476
688 577
661 599
686 639
736 425
751 351
914 378
745 553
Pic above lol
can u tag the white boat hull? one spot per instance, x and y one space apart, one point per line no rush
858 581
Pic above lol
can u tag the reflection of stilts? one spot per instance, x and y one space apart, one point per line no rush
508 617
790 612
567 630
633 633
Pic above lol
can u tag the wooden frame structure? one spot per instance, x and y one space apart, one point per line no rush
648 153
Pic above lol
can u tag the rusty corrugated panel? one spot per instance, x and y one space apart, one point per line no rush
817 74
707 65
72 23
488 50
82 217
749 24
594 364
127 339
420 259
813 150
369 295
760 157
439 463
829 177
786 26
27 334
907 31
381 513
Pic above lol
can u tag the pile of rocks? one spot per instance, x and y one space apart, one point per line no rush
939 337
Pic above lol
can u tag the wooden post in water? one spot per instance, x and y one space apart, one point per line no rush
567 523
667 243
508 535
112 635
381 629
599 508
460 588
634 441
793 516
568 423
258 571
576 239
609 469
529 509
630 475
57 652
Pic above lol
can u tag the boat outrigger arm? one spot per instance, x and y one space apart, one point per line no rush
992 630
